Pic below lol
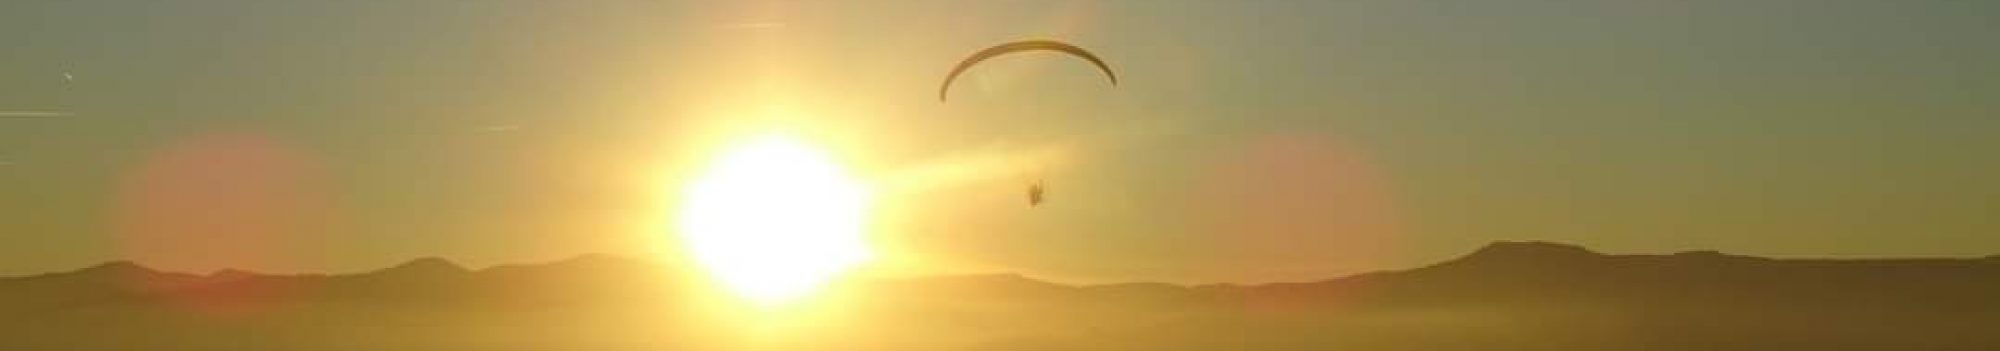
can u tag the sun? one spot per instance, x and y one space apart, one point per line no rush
774 219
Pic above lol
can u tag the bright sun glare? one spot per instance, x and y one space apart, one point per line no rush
774 219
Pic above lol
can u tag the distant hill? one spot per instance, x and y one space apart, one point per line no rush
1506 296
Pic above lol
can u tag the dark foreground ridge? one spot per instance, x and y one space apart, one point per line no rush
1506 296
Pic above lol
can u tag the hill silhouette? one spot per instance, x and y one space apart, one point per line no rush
1506 296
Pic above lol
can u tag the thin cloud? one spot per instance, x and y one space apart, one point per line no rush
754 25
500 128
34 114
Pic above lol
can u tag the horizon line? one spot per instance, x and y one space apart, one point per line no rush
1022 275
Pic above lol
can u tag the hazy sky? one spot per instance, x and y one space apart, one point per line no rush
1248 140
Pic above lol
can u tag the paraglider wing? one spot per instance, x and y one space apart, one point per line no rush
1021 46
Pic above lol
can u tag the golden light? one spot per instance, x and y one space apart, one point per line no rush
774 219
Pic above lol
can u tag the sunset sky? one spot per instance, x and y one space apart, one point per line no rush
1247 141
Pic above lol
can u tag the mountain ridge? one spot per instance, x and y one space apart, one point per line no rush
1495 253
1507 295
